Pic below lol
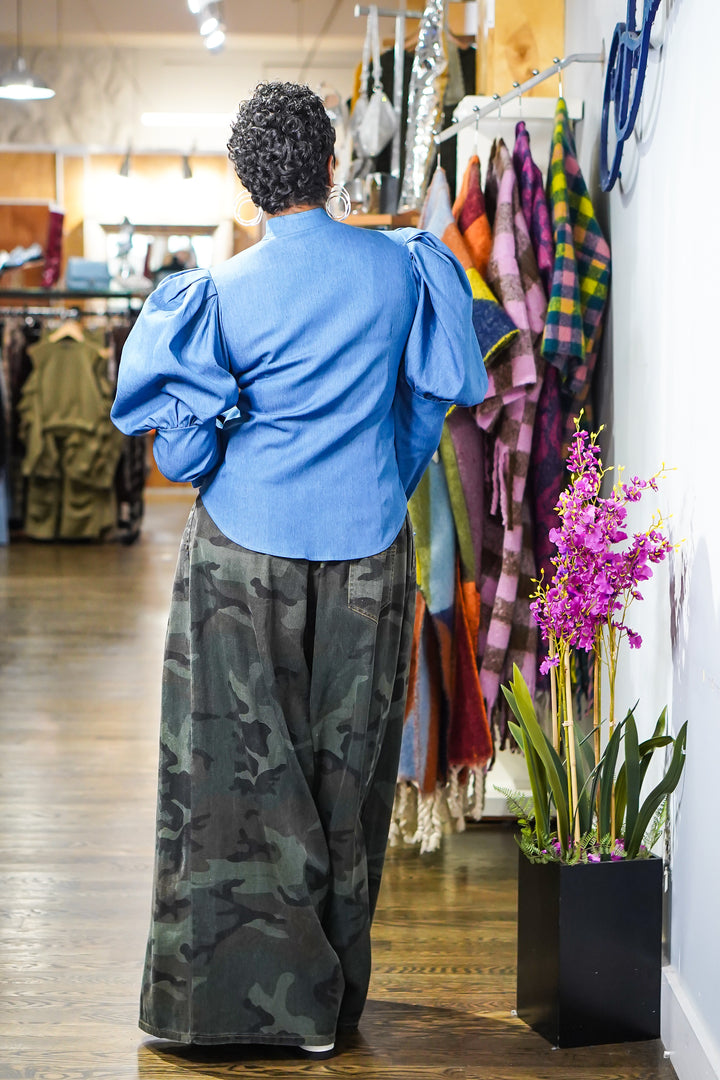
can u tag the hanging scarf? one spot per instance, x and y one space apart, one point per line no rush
472 220
547 465
507 416
493 328
581 274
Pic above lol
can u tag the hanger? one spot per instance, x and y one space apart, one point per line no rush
518 89
412 37
69 329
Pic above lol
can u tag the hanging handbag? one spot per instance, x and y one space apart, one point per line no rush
360 107
376 120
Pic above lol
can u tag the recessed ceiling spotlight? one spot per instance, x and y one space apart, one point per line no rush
196 6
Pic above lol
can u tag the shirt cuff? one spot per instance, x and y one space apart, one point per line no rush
187 453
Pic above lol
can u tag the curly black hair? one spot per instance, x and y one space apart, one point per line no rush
280 144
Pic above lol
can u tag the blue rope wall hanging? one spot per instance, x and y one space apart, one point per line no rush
628 54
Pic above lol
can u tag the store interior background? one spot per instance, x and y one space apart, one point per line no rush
659 380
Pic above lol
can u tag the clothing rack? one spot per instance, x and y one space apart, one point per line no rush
32 312
39 312
517 91
38 295
398 70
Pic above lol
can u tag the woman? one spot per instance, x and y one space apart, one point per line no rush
302 387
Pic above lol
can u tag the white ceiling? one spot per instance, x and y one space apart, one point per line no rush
168 23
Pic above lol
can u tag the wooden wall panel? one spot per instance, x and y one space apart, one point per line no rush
23 224
74 206
526 35
27 176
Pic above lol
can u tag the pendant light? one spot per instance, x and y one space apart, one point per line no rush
18 84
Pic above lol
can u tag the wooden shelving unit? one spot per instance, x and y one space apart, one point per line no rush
384 221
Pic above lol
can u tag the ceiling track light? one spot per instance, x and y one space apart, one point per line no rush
211 24
19 84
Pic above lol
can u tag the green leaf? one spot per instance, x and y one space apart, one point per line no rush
647 749
510 698
607 777
666 786
620 800
583 809
538 783
632 777
554 769
516 732
657 825
590 785
595 776
588 751
659 727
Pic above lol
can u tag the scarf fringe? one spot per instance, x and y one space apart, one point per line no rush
422 820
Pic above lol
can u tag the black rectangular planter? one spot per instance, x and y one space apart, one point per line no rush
590 950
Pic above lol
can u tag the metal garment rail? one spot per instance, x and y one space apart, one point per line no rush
517 91
61 313
38 312
390 13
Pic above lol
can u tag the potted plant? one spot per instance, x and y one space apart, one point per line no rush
589 888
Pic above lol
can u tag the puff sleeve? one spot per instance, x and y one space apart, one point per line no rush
442 363
175 376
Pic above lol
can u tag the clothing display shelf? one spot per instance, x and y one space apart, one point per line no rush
408 219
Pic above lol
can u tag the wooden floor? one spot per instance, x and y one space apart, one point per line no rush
81 633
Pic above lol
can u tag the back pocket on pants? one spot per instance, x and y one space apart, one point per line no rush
367 581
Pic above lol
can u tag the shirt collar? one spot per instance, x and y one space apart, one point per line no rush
286 224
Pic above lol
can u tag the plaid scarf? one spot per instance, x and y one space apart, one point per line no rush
534 205
472 221
547 465
507 415
581 273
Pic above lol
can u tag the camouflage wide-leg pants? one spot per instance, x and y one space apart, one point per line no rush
283 697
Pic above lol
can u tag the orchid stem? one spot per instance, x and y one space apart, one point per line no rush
554 697
597 716
612 671
570 727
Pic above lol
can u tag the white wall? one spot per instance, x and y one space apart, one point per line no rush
101 92
660 389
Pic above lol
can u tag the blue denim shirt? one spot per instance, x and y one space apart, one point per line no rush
303 384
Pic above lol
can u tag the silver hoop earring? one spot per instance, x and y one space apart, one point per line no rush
242 200
338 205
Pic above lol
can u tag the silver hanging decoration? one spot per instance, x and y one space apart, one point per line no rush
425 103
